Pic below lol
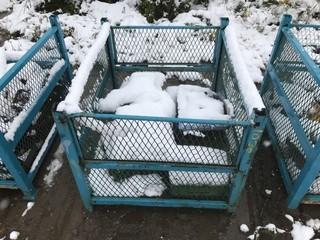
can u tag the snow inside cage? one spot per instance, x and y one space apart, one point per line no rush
160 115
294 119
28 91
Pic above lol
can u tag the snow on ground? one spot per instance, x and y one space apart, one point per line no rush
29 206
54 167
299 231
14 235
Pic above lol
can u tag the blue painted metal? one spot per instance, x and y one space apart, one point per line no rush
20 177
285 22
69 124
298 189
156 202
251 139
309 63
68 141
231 122
124 67
138 165
60 40
217 51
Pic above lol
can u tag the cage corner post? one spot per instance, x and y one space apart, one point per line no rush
68 141
224 22
22 181
285 22
301 185
62 47
253 136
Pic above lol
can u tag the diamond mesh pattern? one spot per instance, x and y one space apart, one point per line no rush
129 140
154 141
287 140
301 89
151 141
309 37
303 93
174 45
30 144
164 184
95 82
22 91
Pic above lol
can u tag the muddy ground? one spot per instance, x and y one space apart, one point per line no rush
58 212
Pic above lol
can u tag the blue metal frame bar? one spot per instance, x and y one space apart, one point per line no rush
68 141
165 27
217 51
62 46
167 67
158 202
297 25
106 116
252 139
157 166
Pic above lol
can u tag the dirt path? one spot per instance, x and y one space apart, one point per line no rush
58 212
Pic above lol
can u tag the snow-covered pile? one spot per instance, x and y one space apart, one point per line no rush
200 103
140 94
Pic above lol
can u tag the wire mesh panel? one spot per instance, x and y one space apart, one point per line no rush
309 37
164 45
28 91
161 161
291 92
22 91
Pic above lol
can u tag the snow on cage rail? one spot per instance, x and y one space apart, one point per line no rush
28 91
151 160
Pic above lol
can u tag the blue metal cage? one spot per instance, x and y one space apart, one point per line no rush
204 172
27 93
291 93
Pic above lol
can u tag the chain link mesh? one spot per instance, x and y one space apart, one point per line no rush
21 93
169 46
303 94
146 141
94 87
309 37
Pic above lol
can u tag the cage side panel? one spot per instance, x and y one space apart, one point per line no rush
286 137
309 38
301 89
21 93
159 142
164 45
